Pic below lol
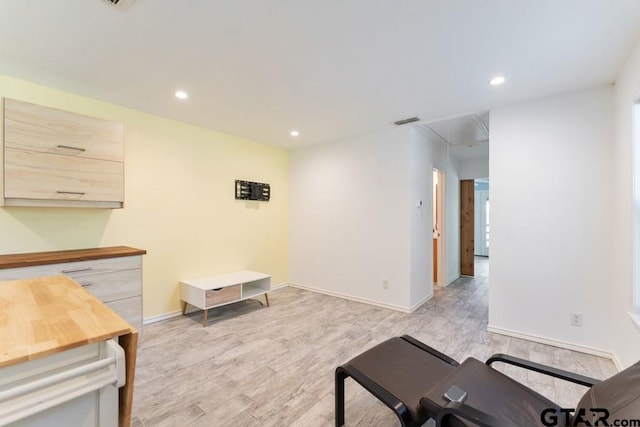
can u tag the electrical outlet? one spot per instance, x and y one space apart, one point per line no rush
385 284
576 319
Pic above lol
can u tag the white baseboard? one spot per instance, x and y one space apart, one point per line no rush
556 343
421 302
452 280
161 317
617 362
170 315
351 298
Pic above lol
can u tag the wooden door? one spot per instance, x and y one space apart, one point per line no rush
466 227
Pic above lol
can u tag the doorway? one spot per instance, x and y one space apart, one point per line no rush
481 214
467 227
475 228
439 257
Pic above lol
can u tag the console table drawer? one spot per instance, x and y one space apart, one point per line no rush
222 295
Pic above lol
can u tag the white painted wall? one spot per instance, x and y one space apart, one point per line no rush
354 220
441 159
349 219
421 231
551 219
626 335
452 209
428 153
476 167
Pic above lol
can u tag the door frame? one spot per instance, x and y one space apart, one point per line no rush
480 242
440 221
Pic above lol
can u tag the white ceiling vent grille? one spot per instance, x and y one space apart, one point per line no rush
406 121
120 4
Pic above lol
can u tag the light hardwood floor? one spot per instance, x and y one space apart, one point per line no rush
258 366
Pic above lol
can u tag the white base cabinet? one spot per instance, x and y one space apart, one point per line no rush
116 281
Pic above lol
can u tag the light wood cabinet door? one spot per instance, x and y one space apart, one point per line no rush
48 130
34 175
58 158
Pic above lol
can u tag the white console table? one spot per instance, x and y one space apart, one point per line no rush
215 291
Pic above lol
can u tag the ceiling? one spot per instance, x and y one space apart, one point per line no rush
330 69
466 135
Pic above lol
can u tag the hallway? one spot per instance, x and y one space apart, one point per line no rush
481 266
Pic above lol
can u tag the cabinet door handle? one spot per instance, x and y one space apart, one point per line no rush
85 284
81 193
69 147
78 270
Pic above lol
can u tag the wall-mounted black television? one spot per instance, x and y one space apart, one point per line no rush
248 190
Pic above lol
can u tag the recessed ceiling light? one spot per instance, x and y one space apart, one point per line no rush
498 80
294 133
180 94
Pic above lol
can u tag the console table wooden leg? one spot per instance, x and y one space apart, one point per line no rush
184 307
266 298
205 316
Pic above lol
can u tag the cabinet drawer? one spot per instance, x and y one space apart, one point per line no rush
48 130
79 269
33 175
113 286
76 270
129 309
222 295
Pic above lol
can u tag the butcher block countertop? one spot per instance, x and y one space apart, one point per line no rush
59 257
50 314
47 315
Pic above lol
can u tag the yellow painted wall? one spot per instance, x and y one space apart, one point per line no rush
179 202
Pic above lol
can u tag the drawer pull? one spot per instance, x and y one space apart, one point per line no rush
85 284
78 270
69 147
217 289
81 193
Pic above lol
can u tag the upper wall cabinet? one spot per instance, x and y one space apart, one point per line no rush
56 158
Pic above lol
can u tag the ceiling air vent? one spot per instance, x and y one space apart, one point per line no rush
122 4
405 121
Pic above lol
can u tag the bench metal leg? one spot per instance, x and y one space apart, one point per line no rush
384 396
340 377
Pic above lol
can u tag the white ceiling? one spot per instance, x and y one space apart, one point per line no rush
331 68
467 135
